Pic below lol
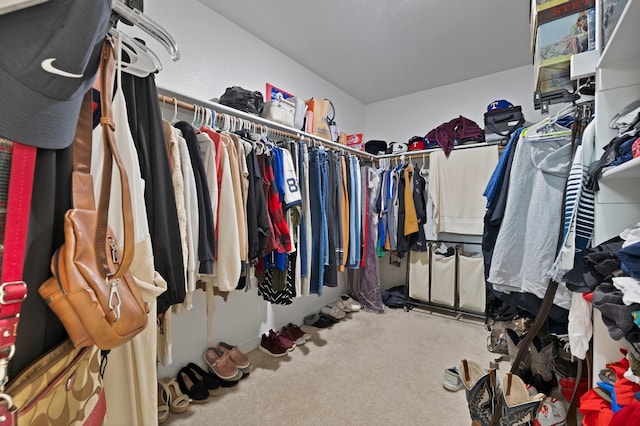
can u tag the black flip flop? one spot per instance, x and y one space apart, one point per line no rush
209 380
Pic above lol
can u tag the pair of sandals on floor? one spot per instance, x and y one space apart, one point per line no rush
226 363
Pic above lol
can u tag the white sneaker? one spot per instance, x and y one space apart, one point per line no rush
342 306
333 311
452 381
552 413
350 303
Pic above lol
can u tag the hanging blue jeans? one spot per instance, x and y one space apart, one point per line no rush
354 214
302 243
318 199
333 209
323 161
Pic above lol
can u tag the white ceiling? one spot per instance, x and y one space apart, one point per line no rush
380 49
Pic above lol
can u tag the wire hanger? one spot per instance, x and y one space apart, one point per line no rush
549 127
149 26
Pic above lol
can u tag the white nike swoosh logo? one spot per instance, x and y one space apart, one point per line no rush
47 65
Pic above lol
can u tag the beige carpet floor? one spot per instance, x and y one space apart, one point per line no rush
370 369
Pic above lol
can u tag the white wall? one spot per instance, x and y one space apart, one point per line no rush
216 54
416 114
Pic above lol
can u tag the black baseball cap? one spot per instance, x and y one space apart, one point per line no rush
49 56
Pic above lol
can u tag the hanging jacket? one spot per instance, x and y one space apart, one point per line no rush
145 122
419 183
279 240
206 232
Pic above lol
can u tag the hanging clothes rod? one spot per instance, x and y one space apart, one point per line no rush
425 152
478 243
171 98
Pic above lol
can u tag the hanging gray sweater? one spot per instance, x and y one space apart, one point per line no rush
526 245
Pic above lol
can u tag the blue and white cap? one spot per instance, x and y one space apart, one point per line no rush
499 104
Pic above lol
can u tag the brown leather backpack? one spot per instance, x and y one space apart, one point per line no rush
92 291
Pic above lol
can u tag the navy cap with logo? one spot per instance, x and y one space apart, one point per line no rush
49 56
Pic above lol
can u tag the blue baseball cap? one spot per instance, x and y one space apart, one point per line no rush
499 104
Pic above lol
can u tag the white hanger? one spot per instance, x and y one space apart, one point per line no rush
147 25
208 117
549 127
201 116
142 60
196 109
424 171
175 111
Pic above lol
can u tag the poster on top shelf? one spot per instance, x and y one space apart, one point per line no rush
272 91
556 41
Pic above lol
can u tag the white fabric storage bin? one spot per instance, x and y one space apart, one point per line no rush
419 275
471 284
443 280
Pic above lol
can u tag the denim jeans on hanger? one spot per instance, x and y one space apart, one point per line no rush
324 173
302 238
335 211
354 215
317 195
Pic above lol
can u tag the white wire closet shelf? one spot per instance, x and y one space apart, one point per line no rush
189 103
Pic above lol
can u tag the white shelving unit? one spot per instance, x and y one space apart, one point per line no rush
618 201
